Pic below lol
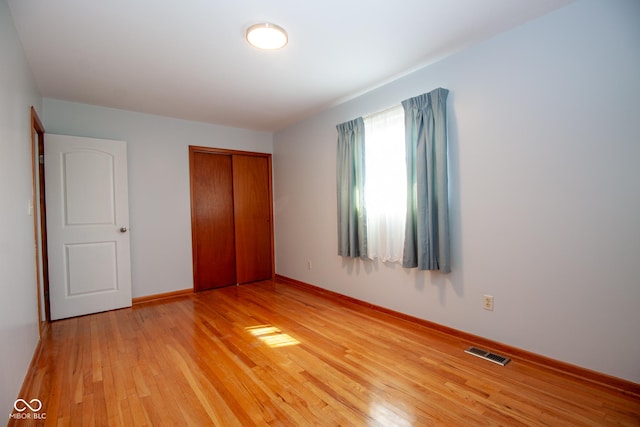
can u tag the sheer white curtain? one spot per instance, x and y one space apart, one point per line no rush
385 184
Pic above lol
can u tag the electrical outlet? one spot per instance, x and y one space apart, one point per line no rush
308 264
487 302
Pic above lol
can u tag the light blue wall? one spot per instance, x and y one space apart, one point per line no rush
18 297
158 166
545 191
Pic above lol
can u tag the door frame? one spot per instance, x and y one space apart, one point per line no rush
39 228
212 150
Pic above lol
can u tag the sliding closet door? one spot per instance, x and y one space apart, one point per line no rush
212 220
231 217
252 207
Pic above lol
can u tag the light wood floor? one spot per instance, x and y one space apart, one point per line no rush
275 354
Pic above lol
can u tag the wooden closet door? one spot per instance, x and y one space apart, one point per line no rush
252 207
212 220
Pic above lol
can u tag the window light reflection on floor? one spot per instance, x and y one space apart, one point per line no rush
385 413
271 336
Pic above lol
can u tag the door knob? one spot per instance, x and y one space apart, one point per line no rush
123 229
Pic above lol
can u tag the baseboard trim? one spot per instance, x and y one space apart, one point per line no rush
155 297
578 372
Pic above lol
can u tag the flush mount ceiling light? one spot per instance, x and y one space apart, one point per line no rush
267 36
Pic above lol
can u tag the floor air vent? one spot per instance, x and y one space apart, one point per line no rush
487 355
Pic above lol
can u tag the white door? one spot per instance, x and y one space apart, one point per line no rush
87 225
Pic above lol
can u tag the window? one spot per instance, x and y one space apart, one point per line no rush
377 179
385 184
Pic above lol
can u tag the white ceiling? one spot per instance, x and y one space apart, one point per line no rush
188 59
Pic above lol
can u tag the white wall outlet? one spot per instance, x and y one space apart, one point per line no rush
308 264
487 302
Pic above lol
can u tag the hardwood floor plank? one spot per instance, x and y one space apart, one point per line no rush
271 354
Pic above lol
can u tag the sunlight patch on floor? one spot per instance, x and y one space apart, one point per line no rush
272 336
383 414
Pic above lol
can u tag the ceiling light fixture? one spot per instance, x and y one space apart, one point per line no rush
267 36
